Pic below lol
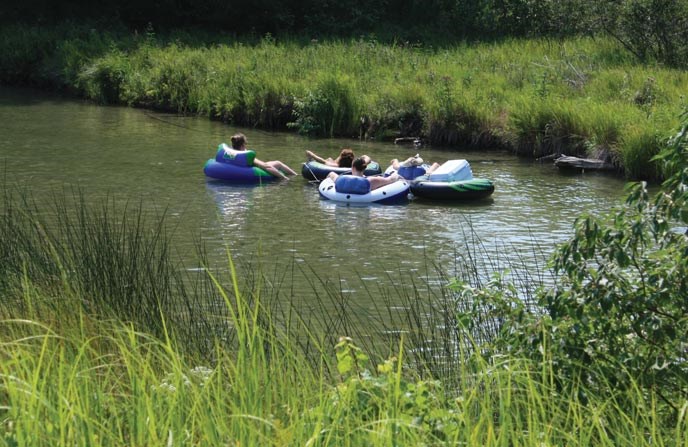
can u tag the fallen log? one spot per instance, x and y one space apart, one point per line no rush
408 140
566 162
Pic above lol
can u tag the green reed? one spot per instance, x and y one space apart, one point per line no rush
112 256
117 259
100 382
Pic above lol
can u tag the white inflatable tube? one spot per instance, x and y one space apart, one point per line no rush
396 192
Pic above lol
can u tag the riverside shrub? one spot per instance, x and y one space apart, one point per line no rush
618 317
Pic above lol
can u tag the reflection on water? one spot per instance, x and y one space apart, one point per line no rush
358 219
158 159
233 203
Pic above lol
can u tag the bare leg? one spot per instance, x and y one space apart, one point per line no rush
409 162
281 166
432 168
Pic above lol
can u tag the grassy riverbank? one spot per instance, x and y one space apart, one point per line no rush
584 97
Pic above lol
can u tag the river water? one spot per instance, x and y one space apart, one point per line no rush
49 144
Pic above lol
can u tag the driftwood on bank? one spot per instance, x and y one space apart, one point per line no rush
408 140
566 162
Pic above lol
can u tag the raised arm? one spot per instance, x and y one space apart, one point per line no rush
326 161
315 157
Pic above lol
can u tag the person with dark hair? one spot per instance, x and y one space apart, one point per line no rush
275 167
359 166
344 160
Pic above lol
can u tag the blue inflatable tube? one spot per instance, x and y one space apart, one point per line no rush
313 170
235 169
236 174
409 173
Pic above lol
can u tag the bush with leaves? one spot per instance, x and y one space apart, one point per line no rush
409 408
625 292
618 317
650 29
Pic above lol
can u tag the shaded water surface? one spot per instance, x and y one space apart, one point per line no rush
49 144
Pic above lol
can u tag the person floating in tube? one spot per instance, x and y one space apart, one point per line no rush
359 166
274 167
344 160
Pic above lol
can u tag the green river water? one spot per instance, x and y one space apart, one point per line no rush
49 144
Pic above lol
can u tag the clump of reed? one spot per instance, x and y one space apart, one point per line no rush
115 262
102 382
111 257
562 127
94 380
641 145
330 108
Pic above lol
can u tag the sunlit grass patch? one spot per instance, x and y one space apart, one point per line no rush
532 96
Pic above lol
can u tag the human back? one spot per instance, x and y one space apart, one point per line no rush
358 168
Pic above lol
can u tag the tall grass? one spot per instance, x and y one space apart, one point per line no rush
103 343
118 261
114 258
101 382
536 97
